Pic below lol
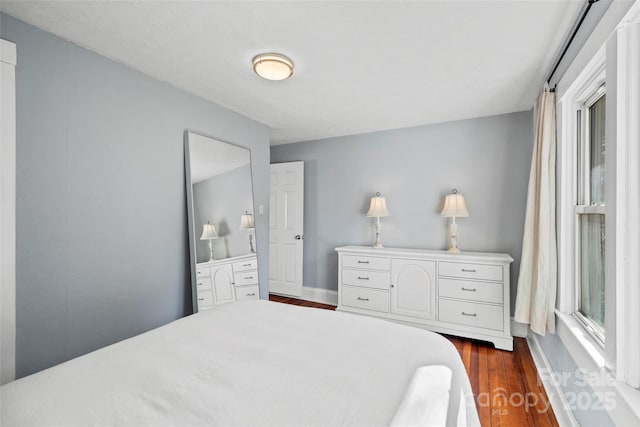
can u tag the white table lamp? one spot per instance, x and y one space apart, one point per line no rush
454 207
377 209
209 233
247 223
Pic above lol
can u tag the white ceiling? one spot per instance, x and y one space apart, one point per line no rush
360 66
209 157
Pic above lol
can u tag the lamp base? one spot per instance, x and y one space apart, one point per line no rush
251 244
210 250
378 243
453 237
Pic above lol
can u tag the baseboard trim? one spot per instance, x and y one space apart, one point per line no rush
323 296
555 393
519 329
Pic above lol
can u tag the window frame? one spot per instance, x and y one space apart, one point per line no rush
593 78
583 154
620 54
583 204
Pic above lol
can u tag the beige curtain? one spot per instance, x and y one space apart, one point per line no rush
536 297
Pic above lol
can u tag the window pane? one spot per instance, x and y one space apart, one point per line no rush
596 147
592 267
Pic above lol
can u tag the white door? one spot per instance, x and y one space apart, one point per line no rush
413 288
222 283
286 221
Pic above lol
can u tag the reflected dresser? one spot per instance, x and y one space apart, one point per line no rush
227 280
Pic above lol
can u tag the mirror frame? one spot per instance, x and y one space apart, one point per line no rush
191 214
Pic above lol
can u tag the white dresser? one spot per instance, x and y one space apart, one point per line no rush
227 280
464 294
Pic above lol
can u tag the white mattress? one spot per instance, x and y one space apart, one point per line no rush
249 363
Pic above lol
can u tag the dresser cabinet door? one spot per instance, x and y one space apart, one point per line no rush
413 285
222 283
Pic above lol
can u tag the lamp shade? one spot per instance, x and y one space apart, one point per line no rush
209 232
454 206
378 206
246 221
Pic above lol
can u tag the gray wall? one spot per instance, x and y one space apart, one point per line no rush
222 200
486 159
101 206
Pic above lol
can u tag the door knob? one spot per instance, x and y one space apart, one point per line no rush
298 237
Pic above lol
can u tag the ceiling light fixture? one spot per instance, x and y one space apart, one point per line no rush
273 66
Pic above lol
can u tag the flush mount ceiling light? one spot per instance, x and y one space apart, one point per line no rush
272 66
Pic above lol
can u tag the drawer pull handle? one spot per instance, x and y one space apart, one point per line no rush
363 299
469 314
363 278
363 262
200 299
199 284
248 277
252 294
246 265
468 290
469 270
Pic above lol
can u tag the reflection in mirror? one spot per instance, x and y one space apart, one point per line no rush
221 224
246 223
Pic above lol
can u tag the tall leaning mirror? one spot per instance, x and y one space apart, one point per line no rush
224 265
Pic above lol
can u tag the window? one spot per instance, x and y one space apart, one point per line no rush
590 214
586 227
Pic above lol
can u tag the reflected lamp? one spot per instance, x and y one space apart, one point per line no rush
209 233
247 223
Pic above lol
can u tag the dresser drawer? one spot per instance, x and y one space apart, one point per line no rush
368 262
470 271
475 291
203 284
250 264
203 272
247 292
368 279
367 299
205 298
243 278
471 314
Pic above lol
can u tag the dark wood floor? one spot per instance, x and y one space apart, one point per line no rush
293 301
505 384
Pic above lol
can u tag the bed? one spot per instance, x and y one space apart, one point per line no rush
254 363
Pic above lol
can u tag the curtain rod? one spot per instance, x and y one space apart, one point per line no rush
573 35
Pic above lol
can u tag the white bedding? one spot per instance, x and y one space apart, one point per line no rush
252 363
427 398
